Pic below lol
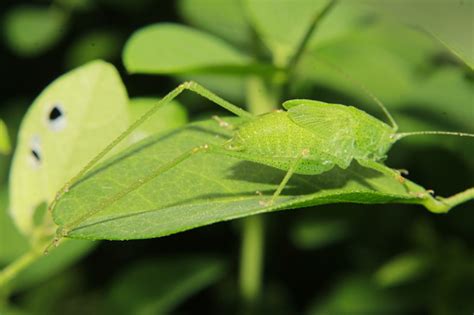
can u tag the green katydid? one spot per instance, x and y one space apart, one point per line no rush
309 137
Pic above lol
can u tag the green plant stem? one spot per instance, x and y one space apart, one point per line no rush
21 263
443 205
251 260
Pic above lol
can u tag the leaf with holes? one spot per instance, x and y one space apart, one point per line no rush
204 189
70 121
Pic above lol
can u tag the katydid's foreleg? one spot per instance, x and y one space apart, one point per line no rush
294 165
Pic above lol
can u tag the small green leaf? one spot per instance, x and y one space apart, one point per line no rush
4 139
226 20
99 44
357 295
159 286
316 234
168 117
204 189
402 269
168 48
31 30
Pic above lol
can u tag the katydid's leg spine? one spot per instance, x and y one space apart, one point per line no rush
287 177
222 123
64 230
188 85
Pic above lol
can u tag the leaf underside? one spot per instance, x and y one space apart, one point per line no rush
204 189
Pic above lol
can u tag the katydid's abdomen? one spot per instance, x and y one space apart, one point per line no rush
273 139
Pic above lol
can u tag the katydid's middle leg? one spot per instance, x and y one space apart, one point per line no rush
285 180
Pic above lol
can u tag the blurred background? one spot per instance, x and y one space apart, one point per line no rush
336 259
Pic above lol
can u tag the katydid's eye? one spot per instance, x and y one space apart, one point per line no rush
56 118
34 154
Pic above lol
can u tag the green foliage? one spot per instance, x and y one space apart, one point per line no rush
362 240
31 30
452 34
98 44
159 286
4 139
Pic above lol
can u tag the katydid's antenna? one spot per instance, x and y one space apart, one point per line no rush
401 135
366 90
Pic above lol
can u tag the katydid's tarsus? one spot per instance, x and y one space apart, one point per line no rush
308 137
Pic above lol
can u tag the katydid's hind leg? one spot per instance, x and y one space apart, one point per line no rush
285 180
136 184
189 85
199 89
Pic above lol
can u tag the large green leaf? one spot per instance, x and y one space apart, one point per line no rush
31 30
168 48
168 117
159 286
202 190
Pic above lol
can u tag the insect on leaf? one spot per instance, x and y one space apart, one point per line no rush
204 189
71 120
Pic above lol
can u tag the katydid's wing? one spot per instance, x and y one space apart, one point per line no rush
333 124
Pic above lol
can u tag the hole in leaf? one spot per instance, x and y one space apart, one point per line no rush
56 118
